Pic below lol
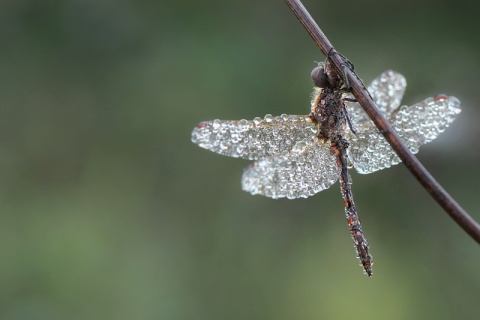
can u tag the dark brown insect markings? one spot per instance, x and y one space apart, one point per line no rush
329 112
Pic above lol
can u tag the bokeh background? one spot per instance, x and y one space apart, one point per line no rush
108 211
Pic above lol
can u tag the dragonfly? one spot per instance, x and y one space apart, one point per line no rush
297 156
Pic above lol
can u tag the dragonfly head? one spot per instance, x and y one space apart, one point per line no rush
325 76
319 76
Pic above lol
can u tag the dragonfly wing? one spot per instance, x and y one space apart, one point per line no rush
416 125
255 139
300 173
386 90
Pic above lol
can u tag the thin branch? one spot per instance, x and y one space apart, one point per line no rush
460 216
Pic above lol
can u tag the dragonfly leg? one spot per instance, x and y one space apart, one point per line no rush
349 120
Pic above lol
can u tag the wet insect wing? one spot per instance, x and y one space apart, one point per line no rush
301 173
257 138
386 90
416 125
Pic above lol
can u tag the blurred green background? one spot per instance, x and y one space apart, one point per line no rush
108 211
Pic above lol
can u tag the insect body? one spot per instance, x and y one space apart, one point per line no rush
330 113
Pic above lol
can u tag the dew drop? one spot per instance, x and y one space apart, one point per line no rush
216 124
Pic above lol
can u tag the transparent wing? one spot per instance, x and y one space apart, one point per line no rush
386 90
255 139
417 125
300 173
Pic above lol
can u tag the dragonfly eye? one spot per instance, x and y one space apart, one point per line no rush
319 77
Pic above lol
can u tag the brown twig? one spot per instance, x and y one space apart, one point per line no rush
460 216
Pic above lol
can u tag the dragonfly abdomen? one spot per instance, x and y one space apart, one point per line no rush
339 148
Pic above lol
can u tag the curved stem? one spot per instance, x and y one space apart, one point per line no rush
460 216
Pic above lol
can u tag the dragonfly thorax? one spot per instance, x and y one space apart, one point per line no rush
327 105
328 112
